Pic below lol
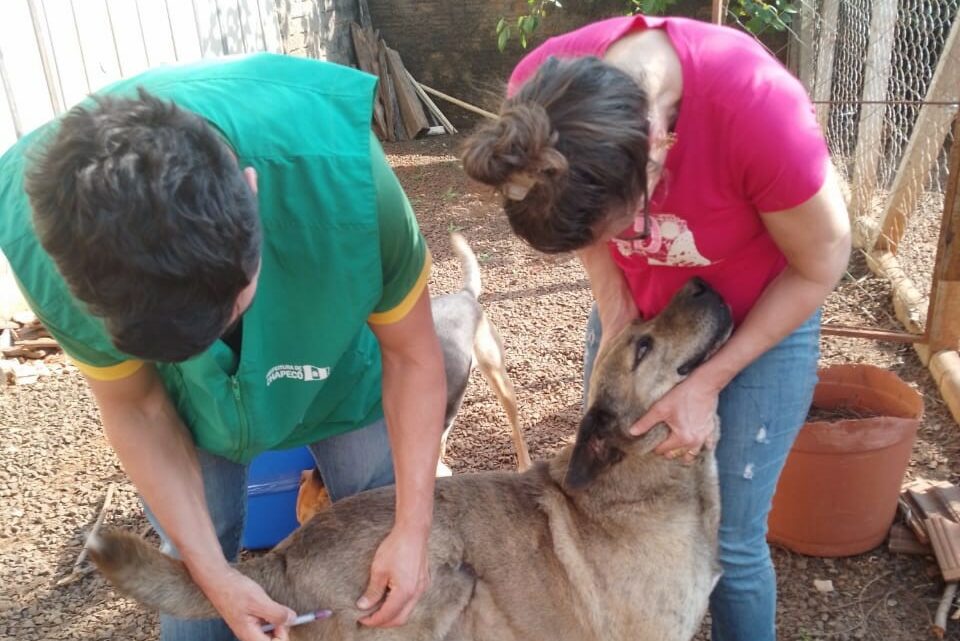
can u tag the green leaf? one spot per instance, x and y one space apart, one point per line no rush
503 38
501 25
523 40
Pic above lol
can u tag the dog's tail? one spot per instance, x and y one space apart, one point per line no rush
469 264
143 573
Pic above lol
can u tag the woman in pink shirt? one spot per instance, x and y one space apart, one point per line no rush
659 149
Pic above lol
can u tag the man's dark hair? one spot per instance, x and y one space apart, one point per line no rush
147 215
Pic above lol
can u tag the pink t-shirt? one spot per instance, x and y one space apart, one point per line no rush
747 144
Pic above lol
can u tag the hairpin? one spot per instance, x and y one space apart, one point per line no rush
518 185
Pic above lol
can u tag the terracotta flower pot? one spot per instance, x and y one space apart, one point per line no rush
838 492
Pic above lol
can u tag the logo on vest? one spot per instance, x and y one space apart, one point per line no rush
297 373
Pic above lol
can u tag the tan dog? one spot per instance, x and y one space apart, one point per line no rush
467 338
603 542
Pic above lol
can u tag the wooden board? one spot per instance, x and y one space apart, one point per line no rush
903 541
367 59
913 518
411 110
945 539
395 128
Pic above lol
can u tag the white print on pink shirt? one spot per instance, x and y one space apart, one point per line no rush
670 243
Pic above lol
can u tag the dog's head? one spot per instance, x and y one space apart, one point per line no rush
312 496
639 366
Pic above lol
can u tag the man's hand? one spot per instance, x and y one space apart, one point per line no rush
245 607
401 574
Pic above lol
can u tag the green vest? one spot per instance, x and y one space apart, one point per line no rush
309 366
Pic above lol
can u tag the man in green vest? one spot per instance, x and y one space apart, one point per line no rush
225 254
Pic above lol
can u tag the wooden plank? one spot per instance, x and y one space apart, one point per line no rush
926 140
157 39
42 35
127 36
828 329
364 11
23 81
66 51
411 111
183 28
927 503
948 265
949 496
365 51
367 59
911 516
431 105
10 130
208 28
459 103
270 26
96 41
8 136
943 319
869 149
230 28
248 12
945 540
903 541
391 109
826 52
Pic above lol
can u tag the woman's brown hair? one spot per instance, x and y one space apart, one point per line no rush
568 150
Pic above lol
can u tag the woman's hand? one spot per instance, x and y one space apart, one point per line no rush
689 410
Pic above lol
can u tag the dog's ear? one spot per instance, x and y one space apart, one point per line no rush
597 448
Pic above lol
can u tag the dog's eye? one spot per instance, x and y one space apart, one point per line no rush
640 350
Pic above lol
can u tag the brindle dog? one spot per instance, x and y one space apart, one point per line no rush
604 541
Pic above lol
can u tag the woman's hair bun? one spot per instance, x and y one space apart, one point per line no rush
522 140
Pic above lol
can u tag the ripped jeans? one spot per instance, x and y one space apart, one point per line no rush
761 412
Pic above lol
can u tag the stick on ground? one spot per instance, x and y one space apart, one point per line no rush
940 621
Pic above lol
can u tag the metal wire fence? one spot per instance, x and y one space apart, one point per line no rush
885 79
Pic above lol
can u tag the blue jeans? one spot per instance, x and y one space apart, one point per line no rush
761 412
349 463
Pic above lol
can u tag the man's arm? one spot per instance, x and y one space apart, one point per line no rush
158 454
414 396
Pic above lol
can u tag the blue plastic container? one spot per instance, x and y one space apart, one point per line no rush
272 484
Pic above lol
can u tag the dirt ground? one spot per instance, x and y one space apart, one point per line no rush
55 466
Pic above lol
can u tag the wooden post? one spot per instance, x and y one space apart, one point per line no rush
808 32
933 124
945 369
717 12
943 322
907 299
823 82
869 149
459 103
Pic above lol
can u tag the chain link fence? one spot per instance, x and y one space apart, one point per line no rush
884 76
